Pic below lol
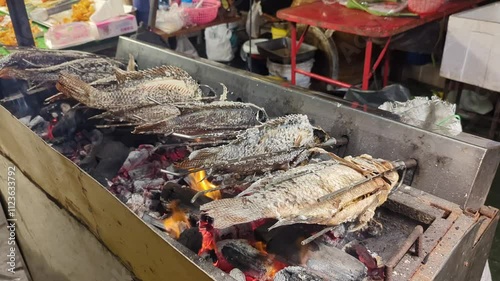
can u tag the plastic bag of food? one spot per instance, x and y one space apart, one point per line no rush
171 20
429 114
218 43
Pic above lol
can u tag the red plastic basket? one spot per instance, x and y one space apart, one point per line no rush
204 14
423 7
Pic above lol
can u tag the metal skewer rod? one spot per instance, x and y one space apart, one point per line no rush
203 192
317 235
397 165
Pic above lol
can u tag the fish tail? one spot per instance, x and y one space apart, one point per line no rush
228 212
74 87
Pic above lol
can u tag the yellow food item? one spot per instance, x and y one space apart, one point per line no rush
81 11
8 36
3 3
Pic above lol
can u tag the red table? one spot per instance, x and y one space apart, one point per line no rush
340 18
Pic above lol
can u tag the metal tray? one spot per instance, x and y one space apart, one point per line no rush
279 50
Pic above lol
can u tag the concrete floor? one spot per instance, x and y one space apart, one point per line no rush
494 200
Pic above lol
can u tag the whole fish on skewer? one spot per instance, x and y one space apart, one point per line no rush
88 69
281 141
120 79
24 58
141 115
293 196
158 91
216 118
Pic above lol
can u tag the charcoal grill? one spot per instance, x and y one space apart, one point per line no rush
443 229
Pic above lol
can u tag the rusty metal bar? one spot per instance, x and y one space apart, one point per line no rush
416 237
322 78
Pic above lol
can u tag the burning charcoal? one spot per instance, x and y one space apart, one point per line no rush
237 274
173 191
286 241
136 204
69 124
253 262
356 249
137 157
296 273
109 156
142 185
335 264
192 239
243 256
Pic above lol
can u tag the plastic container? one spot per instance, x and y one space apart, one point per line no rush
70 34
187 4
279 50
285 71
116 26
423 7
255 62
204 14
278 32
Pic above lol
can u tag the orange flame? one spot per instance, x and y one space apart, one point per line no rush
198 181
274 266
177 222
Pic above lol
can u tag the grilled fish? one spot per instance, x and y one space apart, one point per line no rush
207 118
142 115
276 142
88 69
292 197
24 58
162 91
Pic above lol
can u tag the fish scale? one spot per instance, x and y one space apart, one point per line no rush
292 197
200 118
142 115
276 135
149 93
23 58
89 69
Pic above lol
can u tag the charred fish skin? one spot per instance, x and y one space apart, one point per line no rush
24 58
277 135
199 118
292 197
87 69
164 91
142 115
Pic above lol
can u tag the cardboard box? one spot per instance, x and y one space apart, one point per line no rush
427 74
472 49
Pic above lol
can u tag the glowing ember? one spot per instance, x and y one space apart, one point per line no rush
198 181
177 222
206 231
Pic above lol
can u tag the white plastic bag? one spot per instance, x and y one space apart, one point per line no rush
184 46
429 114
254 18
218 43
171 20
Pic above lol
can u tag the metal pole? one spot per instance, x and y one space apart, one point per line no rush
153 7
20 22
